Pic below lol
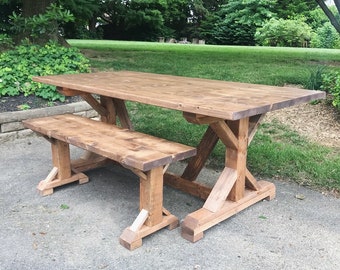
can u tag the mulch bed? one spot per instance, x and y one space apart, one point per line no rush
21 102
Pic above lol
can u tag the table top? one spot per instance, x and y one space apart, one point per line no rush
221 99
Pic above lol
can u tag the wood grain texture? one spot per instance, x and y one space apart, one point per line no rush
196 163
221 99
134 149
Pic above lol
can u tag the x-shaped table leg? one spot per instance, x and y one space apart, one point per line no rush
235 189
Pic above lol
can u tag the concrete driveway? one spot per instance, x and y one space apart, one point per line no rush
78 227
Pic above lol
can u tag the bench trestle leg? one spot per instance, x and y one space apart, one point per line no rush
153 216
61 173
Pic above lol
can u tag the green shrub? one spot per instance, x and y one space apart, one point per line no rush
315 78
331 84
326 37
18 66
284 33
6 42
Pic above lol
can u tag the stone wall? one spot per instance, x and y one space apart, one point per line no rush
11 126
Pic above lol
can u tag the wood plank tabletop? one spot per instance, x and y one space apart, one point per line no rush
222 99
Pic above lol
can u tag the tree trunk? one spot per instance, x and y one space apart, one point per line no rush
34 7
329 13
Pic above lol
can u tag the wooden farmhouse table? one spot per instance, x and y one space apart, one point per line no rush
231 111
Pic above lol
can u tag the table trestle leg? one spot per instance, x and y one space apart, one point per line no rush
204 149
110 110
236 188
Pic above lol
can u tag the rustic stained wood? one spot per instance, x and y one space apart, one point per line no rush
236 158
134 149
122 113
145 155
194 188
61 173
226 100
111 116
232 111
197 222
221 190
95 104
204 149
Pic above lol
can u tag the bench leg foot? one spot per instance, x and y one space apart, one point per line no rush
130 239
45 192
46 186
62 173
133 239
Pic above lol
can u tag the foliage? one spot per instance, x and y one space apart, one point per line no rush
42 27
18 66
284 33
135 20
6 42
85 14
175 16
331 84
81 9
315 79
144 21
6 9
333 15
326 37
316 18
216 21
205 27
239 20
288 9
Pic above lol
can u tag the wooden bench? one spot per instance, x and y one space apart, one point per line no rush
146 155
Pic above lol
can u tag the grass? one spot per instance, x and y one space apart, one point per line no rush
277 151
264 65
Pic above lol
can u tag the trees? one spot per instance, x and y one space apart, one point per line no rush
34 7
217 21
41 20
85 14
334 20
239 20
35 21
143 19
133 20
326 37
34 25
288 9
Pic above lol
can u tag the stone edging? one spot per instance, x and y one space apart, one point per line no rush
11 126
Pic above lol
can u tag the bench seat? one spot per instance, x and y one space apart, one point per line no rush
146 155
129 148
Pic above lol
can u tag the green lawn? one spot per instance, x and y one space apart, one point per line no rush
276 151
264 65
